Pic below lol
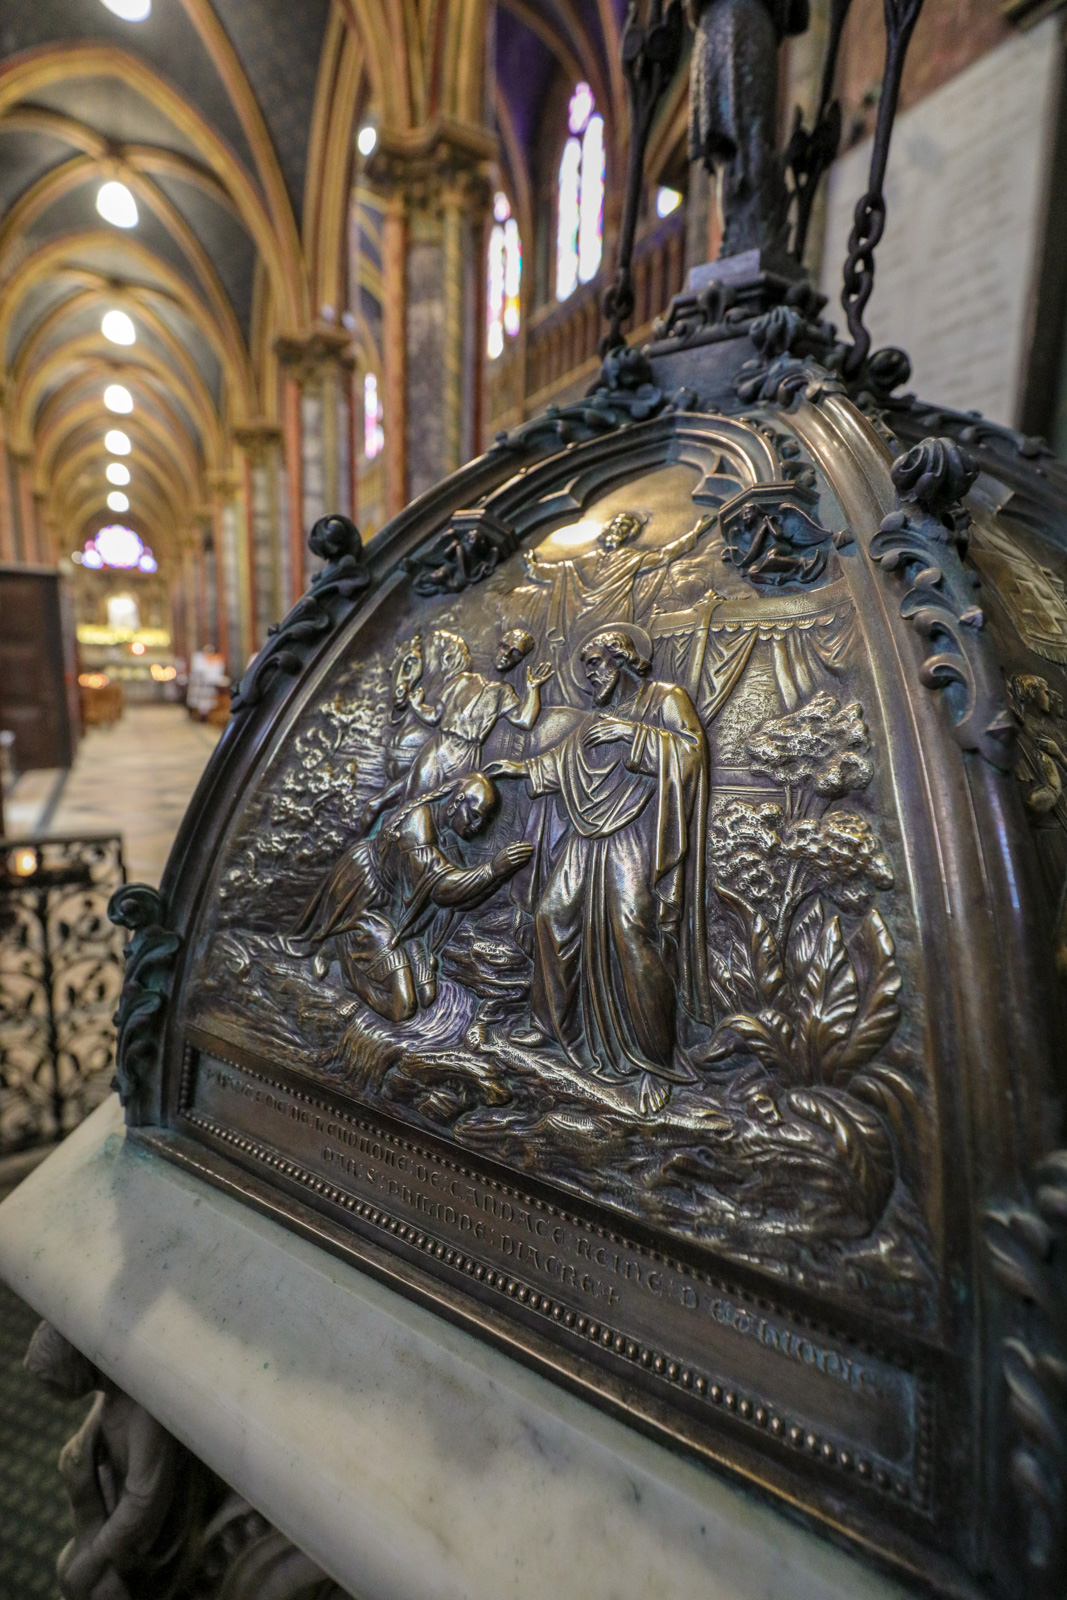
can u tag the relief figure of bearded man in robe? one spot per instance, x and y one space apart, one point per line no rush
610 584
466 709
619 931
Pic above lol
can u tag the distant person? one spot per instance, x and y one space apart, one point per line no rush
207 679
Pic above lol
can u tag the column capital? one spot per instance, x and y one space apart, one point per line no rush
223 483
419 166
257 438
305 356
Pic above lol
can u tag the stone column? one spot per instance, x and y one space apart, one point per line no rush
231 582
8 548
183 600
317 425
394 351
27 511
435 186
207 608
47 547
268 533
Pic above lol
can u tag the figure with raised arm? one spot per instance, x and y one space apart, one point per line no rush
619 930
602 587
459 709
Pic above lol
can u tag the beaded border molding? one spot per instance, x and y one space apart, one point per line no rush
757 1414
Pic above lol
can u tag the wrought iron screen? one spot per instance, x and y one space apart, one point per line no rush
60 976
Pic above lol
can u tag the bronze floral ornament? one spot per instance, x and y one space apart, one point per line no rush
150 961
336 541
812 999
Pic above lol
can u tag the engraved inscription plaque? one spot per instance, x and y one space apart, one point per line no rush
720 1346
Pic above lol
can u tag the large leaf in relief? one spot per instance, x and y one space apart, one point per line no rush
722 981
879 1010
742 978
828 1002
803 941
767 968
768 1035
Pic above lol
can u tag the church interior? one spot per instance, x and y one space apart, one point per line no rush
328 269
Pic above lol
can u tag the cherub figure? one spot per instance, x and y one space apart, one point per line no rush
1043 766
121 1471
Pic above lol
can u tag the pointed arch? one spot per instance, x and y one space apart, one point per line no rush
223 334
32 70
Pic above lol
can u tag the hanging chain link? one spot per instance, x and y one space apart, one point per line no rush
869 217
650 56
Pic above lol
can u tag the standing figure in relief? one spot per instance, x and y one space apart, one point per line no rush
601 588
463 712
405 733
1042 769
619 930
379 906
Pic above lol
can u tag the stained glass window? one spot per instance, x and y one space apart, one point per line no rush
580 228
117 546
504 277
373 433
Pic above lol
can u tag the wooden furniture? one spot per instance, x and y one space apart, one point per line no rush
38 671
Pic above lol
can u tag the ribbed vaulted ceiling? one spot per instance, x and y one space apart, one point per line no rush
231 122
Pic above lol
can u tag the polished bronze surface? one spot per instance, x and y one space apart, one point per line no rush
644 950
628 912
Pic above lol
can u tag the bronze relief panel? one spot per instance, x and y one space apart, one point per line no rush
1024 588
587 870
557 961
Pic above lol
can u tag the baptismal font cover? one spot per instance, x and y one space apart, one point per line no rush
626 911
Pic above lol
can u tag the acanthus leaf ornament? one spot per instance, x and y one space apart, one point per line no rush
921 543
784 380
625 392
328 601
936 474
150 960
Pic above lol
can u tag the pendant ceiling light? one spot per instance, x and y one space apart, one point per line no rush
116 205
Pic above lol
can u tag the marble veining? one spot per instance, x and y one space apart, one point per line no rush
405 1456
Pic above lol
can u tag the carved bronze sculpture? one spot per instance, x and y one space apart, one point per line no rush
627 912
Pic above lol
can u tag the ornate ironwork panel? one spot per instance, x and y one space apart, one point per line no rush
60 978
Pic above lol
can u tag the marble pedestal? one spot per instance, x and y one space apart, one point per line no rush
408 1459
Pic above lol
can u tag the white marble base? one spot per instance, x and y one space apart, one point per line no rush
407 1458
